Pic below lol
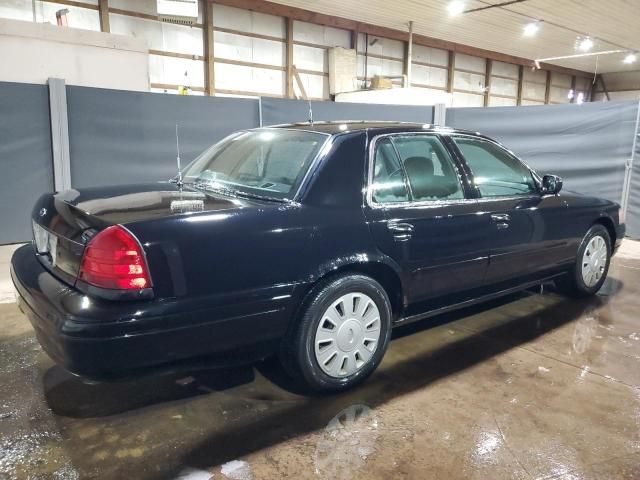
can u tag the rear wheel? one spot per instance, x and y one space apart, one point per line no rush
341 336
592 264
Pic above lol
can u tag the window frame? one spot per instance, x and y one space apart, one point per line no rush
453 156
534 175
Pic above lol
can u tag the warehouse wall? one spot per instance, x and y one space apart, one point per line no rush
250 55
33 52
620 86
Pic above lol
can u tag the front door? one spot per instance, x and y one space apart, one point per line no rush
522 242
420 216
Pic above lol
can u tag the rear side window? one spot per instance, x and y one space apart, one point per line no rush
388 176
496 172
429 169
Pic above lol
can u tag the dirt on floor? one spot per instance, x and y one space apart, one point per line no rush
531 386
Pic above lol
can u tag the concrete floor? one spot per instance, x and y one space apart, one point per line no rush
533 386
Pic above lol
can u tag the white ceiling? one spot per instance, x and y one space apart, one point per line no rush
613 24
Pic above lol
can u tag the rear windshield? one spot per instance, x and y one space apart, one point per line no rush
266 162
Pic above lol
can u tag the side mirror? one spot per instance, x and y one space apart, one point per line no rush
551 184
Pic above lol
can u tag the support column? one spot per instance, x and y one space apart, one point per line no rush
520 84
209 67
59 134
103 8
440 114
289 59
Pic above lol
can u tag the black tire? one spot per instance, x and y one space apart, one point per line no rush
573 283
298 356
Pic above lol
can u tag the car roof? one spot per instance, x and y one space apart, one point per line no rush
343 126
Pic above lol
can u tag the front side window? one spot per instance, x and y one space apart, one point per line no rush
496 172
268 162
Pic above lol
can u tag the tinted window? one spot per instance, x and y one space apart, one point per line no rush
496 172
269 162
429 168
388 178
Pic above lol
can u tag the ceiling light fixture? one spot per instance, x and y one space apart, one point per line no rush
455 7
631 58
530 29
585 44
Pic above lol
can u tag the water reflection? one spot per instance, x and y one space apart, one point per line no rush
346 443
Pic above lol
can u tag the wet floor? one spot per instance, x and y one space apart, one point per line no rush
534 386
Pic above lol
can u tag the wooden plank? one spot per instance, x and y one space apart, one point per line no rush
382 57
103 8
451 70
520 84
303 91
249 34
242 63
547 90
172 86
186 56
487 81
207 38
72 3
247 93
425 64
144 16
289 59
376 30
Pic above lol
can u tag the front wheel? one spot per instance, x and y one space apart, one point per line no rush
592 264
341 336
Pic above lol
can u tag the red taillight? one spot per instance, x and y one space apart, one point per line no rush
114 259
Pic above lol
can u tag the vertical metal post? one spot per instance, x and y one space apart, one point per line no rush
626 188
260 111
439 114
59 134
409 55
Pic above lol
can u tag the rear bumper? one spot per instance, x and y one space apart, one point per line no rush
103 339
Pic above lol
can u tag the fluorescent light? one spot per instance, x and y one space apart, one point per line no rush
455 7
585 44
631 58
530 29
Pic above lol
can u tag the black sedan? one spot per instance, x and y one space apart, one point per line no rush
309 241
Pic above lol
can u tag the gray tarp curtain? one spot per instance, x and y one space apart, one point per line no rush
633 209
118 137
588 145
26 158
276 111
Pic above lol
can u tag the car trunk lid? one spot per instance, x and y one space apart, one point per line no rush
63 223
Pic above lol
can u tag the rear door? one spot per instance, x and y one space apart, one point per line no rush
420 216
522 241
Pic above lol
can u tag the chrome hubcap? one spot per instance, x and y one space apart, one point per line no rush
347 335
594 261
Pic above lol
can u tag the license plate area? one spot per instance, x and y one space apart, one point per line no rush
46 243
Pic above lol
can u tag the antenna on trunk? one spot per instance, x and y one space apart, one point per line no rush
310 113
179 182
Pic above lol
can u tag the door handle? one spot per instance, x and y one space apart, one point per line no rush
400 231
500 217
